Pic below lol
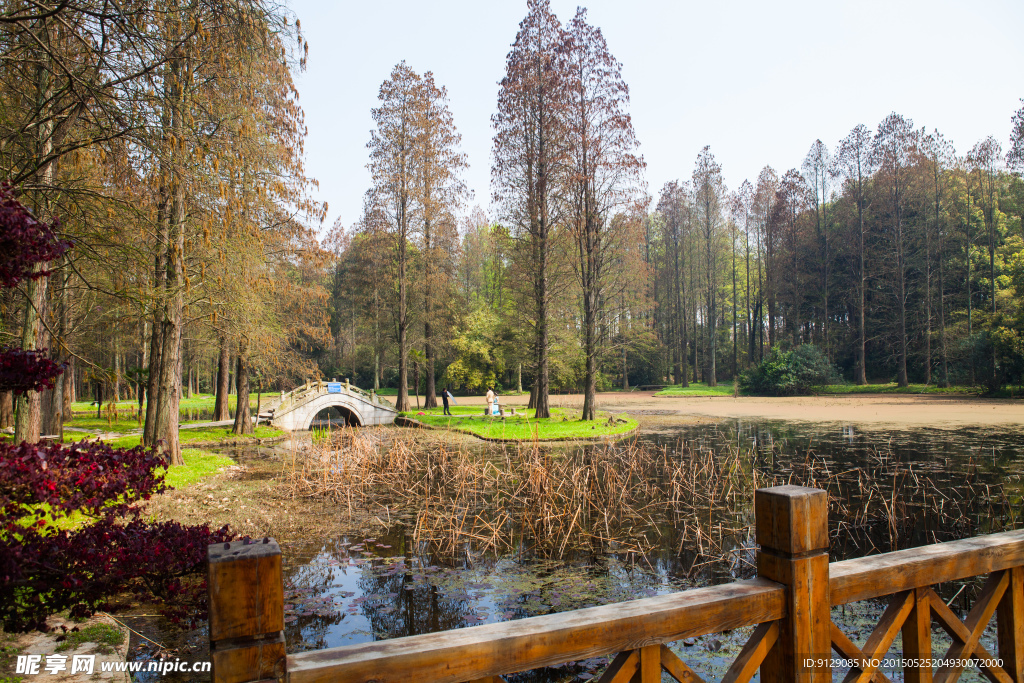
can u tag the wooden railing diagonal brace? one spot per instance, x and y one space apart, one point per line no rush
878 643
849 650
966 635
677 668
753 653
622 668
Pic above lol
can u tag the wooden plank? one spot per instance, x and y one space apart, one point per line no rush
917 640
246 611
677 668
792 530
849 650
979 616
622 668
879 575
650 664
469 653
788 519
1010 621
245 589
882 635
244 664
758 645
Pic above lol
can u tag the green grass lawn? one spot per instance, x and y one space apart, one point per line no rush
726 389
197 402
104 635
203 435
122 424
893 388
697 389
563 424
198 465
69 436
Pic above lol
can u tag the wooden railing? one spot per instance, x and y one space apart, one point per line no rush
789 603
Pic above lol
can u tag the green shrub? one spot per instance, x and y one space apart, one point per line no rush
788 373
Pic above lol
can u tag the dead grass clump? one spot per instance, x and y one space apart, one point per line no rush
628 497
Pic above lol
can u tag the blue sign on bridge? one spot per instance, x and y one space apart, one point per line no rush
334 387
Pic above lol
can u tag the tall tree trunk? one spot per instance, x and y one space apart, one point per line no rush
735 356
696 335
625 369
991 225
168 395
243 416
680 291
221 411
6 409
430 391
402 403
927 306
901 281
117 371
970 301
70 390
28 423
590 305
944 382
430 394
416 383
156 336
539 399
710 371
56 413
862 377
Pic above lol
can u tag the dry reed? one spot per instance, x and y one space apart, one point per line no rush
630 497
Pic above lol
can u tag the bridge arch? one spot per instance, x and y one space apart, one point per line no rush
355 407
350 417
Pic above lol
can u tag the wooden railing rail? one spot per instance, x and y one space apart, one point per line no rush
878 575
789 602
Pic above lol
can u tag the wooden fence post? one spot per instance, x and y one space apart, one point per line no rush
792 531
1010 620
246 611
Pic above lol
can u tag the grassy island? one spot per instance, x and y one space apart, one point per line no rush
697 389
563 425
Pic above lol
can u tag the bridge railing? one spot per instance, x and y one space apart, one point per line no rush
789 602
298 394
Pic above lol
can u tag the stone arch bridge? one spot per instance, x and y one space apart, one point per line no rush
300 407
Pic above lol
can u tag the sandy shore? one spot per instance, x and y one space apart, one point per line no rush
880 410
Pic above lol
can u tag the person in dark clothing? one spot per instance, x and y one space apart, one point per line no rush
445 395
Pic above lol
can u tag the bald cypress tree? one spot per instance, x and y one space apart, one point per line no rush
530 150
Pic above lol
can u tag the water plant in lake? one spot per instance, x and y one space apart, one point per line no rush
631 498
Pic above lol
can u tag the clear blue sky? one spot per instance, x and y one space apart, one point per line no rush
758 81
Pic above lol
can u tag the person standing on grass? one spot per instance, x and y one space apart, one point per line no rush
490 401
445 395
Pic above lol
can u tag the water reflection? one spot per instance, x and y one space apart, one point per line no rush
356 589
939 485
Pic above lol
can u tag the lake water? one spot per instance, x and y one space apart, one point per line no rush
937 484
940 484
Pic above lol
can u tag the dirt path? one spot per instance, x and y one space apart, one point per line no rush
878 410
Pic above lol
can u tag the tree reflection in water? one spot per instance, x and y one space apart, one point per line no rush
938 486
